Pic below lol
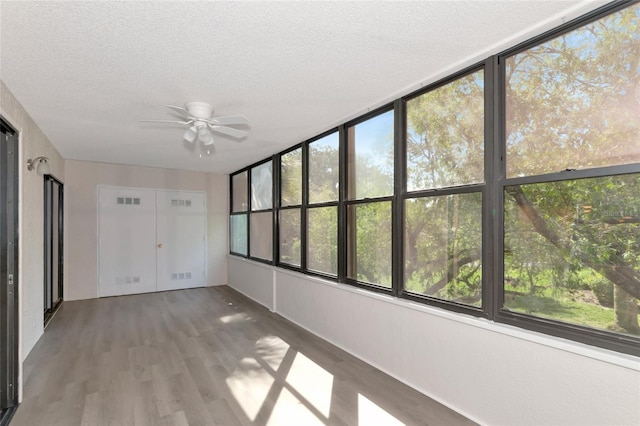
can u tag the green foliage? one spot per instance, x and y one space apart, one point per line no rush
575 98
291 178
443 249
322 255
370 247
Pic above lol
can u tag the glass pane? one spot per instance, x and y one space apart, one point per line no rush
369 243
261 235
238 238
370 158
240 192
324 166
290 236
291 178
443 247
261 187
572 251
574 98
322 236
445 135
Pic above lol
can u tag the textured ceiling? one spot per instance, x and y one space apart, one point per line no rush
87 72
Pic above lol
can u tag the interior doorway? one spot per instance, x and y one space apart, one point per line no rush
53 245
8 271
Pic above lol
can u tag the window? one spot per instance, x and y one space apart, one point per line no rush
509 190
370 179
291 178
322 237
322 211
239 192
261 235
261 216
443 247
572 98
290 208
370 158
323 169
443 224
572 215
572 250
238 230
369 243
238 238
261 187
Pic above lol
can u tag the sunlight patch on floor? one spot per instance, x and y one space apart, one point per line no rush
313 382
250 384
272 350
289 411
369 413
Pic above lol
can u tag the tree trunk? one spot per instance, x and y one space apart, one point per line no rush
615 270
626 310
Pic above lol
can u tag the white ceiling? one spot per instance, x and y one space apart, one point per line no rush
87 72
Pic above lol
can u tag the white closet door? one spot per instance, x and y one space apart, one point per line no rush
127 241
180 240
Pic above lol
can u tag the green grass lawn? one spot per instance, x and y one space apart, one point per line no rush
562 309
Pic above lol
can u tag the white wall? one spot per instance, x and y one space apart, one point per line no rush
494 374
32 143
81 218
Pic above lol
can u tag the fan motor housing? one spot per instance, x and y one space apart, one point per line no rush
199 109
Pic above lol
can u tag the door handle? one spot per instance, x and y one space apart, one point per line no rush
160 245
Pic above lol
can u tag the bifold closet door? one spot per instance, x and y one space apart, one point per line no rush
127 241
180 239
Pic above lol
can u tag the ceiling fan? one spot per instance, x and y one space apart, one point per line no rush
199 117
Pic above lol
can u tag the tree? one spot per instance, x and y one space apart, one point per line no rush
576 99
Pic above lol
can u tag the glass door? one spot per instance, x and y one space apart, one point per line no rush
8 272
53 228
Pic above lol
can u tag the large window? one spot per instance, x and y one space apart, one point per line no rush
575 99
572 250
261 216
238 226
290 207
322 211
443 222
370 188
572 215
508 190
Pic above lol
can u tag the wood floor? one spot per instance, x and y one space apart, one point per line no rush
206 356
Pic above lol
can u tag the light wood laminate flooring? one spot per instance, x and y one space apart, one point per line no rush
206 356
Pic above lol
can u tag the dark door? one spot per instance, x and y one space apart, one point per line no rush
8 271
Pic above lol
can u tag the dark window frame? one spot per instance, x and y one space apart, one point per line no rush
307 205
483 188
592 336
279 207
345 201
239 213
492 190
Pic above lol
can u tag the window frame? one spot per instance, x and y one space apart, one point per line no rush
592 336
307 205
280 207
483 188
345 202
492 193
239 213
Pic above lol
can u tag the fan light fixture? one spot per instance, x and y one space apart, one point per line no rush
190 134
202 125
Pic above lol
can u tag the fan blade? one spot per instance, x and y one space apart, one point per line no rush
230 119
229 131
166 121
179 110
